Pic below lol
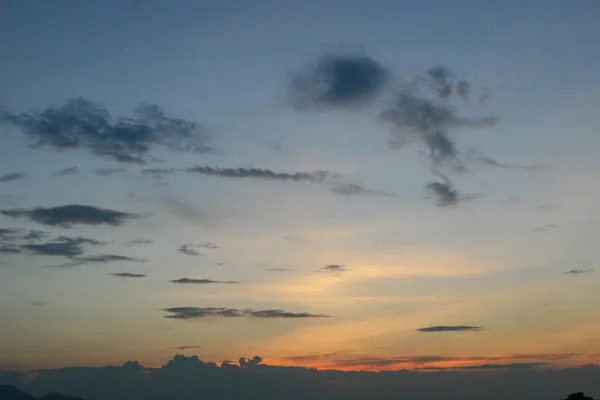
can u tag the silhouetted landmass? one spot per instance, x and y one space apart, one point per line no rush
189 378
8 392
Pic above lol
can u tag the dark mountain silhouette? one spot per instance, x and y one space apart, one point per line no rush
9 392
578 396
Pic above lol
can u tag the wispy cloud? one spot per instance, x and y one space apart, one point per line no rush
13 176
202 312
187 347
108 171
67 171
200 281
349 189
454 328
72 214
576 271
334 268
138 242
266 174
83 124
128 275
544 228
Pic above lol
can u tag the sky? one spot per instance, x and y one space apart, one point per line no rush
339 185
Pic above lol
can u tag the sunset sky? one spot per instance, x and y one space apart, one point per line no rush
335 184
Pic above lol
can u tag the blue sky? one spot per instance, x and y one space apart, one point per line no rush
496 260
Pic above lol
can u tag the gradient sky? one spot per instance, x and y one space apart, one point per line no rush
503 270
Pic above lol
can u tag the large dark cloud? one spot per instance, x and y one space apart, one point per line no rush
82 124
72 214
202 312
200 281
185 377
453 328
13 176
338 81
249 362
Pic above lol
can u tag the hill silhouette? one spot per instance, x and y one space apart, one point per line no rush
9 392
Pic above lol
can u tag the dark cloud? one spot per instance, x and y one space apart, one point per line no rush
201 312
82 124
338 81
335 268
67 171
444 328
440 79
446 195
12 176
462 89
108 171
128 275
10 250
578 271
61 246
69 215
185 377
505 367
544 228
250 362
188 249
39 303
200 281
258 173
76 261
187 347
349 189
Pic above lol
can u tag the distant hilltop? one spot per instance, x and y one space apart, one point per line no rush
8 392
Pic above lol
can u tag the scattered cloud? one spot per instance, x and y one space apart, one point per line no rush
445 193
12 177
108 171
128 275
544 228
444 328
72 214
578 271
67 171
83 124
334 268
349 189
258 173
138 242
61 246
202 312
200 281
338 81
188 249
